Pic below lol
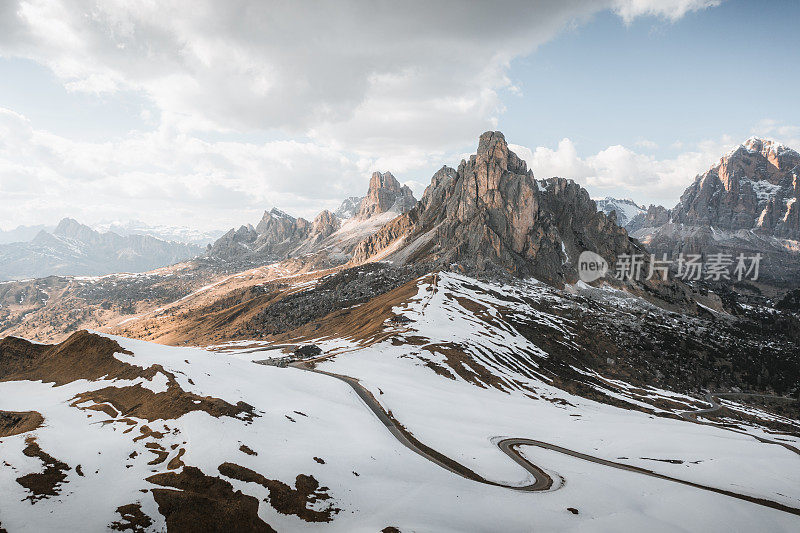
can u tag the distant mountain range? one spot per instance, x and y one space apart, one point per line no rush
165 233
334 236
132 227
76 249
22 233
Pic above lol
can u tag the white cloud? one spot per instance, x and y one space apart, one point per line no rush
173 178
771 128
670 9
385 77
390 85
618 170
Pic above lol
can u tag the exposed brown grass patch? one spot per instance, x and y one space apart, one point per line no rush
83 355
197 502
48 482
176 462
14 423
132 519
141 402
247 450
464 365
282 497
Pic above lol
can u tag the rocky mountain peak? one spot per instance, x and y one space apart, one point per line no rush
492 214
72 229
493 150
753 187
385 194
349 207
626 209
277 213
325 224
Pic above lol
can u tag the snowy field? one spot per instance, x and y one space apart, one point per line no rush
317 425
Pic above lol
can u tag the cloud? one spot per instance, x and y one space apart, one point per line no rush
362 85
669 9
384 77
618 170
174 178
771 128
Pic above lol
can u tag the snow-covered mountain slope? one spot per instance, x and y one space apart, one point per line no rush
446 369
626 209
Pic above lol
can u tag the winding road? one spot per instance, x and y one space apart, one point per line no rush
542 481
711 398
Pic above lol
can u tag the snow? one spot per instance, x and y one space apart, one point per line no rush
626 209
456 417
764 190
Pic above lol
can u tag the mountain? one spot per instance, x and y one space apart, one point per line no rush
443 366
385 194
165 233
76 249
626 209
349 207
280 236
746 203
477 405
275 236
492 214
754 187
22 233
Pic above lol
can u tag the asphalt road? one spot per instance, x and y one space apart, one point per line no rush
542 480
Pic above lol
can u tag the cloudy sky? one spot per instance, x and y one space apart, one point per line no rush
203 113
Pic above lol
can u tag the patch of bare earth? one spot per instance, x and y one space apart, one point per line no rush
141 402
197 502
132 518
48 482
89 356
14 423
285 499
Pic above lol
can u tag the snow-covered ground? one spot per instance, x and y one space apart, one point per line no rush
459 408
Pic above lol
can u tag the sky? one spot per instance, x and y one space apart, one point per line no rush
204 114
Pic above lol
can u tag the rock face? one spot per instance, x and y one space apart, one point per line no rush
655 216
753 187
272 239
746 203
385 194
325 225
625 208
492 213
76 249
349 207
